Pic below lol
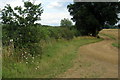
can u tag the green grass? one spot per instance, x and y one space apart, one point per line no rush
57 58
116 45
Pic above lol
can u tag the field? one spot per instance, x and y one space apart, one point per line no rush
113 34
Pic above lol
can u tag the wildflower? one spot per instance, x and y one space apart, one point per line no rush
32 57
37 66
26 58
26 62
11 40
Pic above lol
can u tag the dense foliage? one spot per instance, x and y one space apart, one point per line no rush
31 36
21 16
90 17
119 26
19 27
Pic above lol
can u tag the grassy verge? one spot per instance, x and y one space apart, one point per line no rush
116 45
57 58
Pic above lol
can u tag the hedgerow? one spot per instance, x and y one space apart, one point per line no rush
28 38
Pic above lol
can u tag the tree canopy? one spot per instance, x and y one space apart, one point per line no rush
21 16
19 24
90 17
65 23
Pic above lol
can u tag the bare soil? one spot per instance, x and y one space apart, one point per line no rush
97 60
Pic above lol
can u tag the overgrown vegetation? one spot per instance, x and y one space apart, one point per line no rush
57 57
19 29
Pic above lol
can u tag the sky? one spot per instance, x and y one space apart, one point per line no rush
54 10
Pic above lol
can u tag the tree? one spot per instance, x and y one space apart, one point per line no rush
119 26
65 23
90 17
19 23
21 16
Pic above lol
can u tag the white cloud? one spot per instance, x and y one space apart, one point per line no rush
16 3
38 1
53 18
57 0
54 5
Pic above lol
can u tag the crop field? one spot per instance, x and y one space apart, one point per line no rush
113 34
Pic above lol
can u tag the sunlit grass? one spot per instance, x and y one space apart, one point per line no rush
116 45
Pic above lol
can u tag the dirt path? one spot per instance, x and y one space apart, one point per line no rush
97 60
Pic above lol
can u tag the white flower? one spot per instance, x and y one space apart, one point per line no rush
26 58
37 62
32 57
26 62
37 66
11 40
